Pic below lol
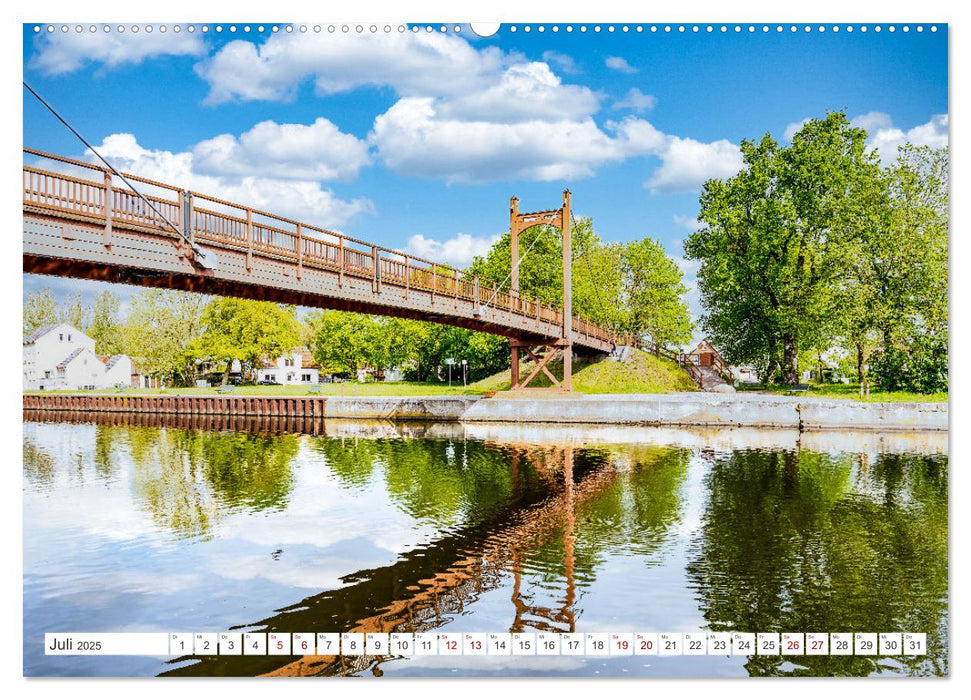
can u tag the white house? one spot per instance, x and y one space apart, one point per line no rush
60 356
294 367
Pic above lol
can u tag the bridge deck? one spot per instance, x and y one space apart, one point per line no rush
88 225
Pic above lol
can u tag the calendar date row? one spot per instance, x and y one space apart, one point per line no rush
490 644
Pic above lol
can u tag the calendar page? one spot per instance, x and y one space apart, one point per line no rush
436 349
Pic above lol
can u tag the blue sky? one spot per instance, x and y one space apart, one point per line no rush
417 141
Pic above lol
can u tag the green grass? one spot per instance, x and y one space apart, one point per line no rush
641 374
852 391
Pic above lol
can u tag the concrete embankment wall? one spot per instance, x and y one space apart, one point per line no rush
684 409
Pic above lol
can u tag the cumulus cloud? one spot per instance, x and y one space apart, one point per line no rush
793 128
619 64
318 151
685 163
887 139
414 138
883 136
410 64
563 62
636 100
299 199
871 121
57 53
688 222
523 92
457 251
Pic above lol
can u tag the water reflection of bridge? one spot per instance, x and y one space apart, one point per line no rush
426 588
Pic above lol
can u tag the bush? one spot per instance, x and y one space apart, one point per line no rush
920 368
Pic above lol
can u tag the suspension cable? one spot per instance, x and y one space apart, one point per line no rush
515 266
201 255
596 288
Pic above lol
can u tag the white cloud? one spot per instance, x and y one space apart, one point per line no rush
793 128
414 138
636 100
318 151
685 163
411 64
871 121
457 251
564 63
57 53
620 64
886 139
688 222
299 199
523 92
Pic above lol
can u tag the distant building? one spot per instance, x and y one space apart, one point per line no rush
295 367
394 374
706 354
60 356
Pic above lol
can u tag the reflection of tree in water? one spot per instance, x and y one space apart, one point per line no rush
38 464
633 514
440 482
104 451
809 542
187 477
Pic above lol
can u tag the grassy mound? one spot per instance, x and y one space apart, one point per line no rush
642 373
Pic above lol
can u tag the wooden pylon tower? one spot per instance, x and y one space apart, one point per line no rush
542 352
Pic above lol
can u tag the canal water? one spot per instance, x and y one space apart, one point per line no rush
137 524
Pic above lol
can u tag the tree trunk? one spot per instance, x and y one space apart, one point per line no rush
790 352
229 364
860 367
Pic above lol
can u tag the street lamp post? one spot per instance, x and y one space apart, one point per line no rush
465 364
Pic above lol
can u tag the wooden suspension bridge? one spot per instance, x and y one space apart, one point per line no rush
80 220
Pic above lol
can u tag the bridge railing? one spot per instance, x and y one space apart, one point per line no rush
90 193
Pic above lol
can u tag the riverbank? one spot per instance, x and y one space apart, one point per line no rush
676 409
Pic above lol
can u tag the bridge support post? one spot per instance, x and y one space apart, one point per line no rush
249 240
561 218
376 259
109 197
567 294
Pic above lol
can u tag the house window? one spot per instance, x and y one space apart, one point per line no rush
288 362
60 336
47 374
69 337
305 377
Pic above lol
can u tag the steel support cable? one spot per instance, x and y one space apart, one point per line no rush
596 288
515 266
201 256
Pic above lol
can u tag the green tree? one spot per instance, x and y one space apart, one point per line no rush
158 330
76 313
597 284
654 304
105 328
40 309
773 241
246 330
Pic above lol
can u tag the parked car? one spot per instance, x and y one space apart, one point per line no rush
269 382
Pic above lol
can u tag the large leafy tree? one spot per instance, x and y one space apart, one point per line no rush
40 309
772 247
246 330
654 305
105 328
159 329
